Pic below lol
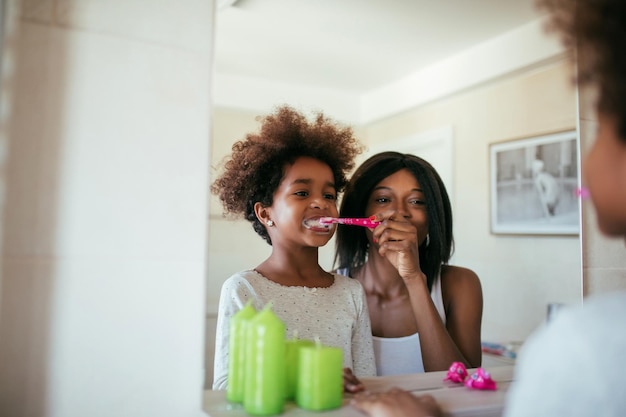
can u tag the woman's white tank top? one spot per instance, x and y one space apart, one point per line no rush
403 355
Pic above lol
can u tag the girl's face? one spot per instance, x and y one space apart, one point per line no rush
307 191
604 170
401 192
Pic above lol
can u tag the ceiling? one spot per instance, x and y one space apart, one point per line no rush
353 45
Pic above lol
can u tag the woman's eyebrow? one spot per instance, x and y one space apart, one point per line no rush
382 187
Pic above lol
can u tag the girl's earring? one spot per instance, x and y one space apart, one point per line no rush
270 223
427 239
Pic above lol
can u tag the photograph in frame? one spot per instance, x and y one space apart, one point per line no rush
534 183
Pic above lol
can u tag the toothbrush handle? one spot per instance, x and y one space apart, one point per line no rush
359 222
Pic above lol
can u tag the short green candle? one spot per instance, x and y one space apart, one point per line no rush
293 363
237 353
320 378
265 365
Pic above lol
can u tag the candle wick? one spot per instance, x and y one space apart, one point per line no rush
318 342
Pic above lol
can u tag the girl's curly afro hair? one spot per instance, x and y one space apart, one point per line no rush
596 29
256 166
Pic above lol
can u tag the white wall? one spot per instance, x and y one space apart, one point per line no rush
103 267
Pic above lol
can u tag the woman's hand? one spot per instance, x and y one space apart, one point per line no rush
396 403
397 241
351 383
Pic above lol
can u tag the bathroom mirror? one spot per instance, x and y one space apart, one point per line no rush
440 79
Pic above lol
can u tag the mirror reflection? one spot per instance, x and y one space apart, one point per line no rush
443 82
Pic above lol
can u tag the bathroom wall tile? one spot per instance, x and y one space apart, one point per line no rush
159 22
34 138
95 345
601 251
41 11
602 280
587 134
603 257
103 283
103 173
24 348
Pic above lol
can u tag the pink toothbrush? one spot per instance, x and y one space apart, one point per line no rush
350 221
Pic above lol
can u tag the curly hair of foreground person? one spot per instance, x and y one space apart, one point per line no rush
255 168
596 30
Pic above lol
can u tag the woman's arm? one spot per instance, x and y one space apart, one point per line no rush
463 299
459 339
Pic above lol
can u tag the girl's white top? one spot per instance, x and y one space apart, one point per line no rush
337 314
403 355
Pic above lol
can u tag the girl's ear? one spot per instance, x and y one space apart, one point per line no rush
262 213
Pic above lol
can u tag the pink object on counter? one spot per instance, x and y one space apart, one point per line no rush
481 379
456 373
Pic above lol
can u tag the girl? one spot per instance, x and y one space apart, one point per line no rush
424 313
282 179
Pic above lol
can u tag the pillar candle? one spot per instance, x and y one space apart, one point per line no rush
265 365
292 358
237 353
320 378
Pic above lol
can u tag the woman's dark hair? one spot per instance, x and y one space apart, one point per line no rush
257 164
352 244
596 30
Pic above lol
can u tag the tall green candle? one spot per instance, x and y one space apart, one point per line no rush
237 353
293 357
265 365
320 378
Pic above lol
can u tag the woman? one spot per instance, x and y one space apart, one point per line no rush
425 313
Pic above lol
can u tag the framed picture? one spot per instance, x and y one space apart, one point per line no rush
533 185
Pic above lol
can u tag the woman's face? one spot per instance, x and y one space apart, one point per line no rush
401 192
604 170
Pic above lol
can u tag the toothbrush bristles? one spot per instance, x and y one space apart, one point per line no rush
326 220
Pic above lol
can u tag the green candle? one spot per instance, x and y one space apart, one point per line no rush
292 358
320 378
265 365
237 353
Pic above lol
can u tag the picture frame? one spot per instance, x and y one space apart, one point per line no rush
534 183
